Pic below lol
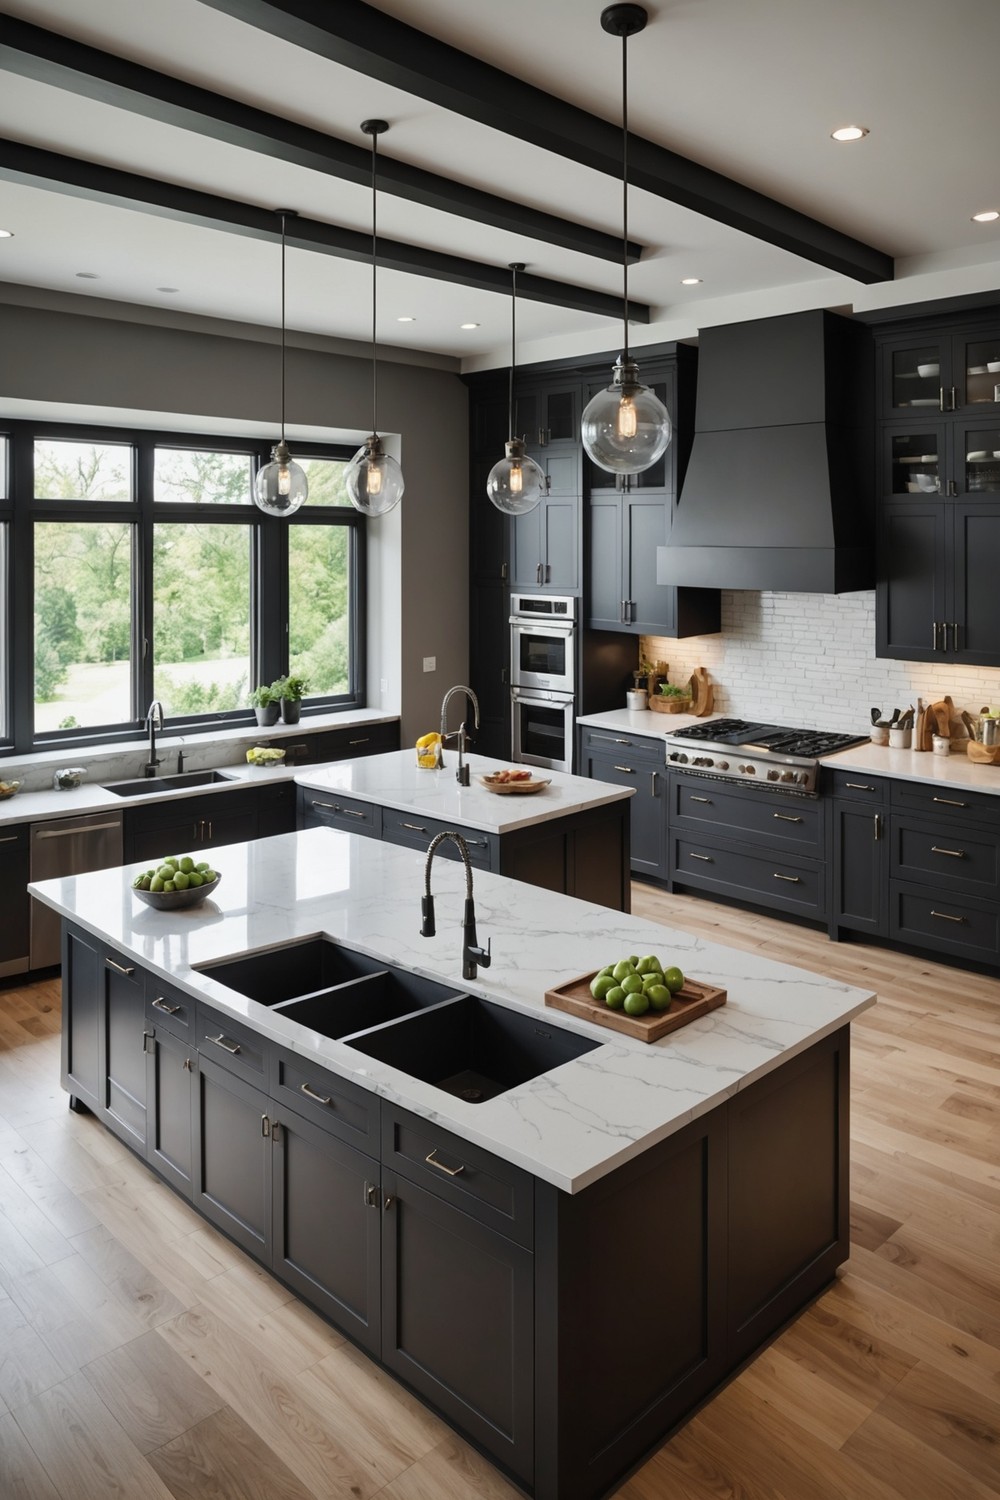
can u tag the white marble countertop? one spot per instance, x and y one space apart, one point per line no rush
643 722
570 1126
394 779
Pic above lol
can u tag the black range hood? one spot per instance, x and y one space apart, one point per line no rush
778 489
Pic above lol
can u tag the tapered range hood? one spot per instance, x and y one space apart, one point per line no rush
779 487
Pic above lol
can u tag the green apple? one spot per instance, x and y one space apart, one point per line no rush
599 985
636 1005
648 964
673 978
615 998
632 984
659 996
623 969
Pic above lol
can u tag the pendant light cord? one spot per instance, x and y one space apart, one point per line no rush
283 327
625 187
374 274
513 348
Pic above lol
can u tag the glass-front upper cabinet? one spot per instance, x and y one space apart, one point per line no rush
980 460
942 372
946 460
917 462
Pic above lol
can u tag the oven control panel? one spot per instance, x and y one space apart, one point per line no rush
736 767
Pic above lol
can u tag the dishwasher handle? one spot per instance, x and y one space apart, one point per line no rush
71 833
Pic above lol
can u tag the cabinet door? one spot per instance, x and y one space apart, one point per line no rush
860 885
561 543
489 659
911 595
547 415
81 1017
123 1053
652 606
975 616
458 1319
607 588
976 384
526 551
917 372
647 809
231 1184
327 1232
170 1065
14 898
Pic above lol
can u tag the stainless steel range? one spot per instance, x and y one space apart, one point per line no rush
772 757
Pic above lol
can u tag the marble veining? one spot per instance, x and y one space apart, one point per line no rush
569 1126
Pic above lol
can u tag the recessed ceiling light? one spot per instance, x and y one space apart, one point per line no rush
406 320
849 132
88 275
6 234
987 216
690 281
468 325
168 288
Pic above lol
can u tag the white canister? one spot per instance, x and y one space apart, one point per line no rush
900 739
941 744
636 699
880 734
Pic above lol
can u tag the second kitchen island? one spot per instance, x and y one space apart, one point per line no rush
565 1269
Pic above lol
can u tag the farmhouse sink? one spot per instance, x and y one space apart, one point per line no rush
148 784
471 1048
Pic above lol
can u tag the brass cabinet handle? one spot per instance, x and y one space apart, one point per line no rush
119 968
388 1201
413 827
627 769
363 741
608 739
312 1094
859 786
951 853
10 839
352 812
786 818
371 1195
944 917
792 879
160 1004
220 1041
707 800
265 1125
949 802
706 857
432 1161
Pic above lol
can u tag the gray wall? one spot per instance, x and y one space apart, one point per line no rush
117 359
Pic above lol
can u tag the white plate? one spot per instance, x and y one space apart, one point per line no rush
926 401
977 370
976 457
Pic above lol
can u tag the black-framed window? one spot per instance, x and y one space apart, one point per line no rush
134 566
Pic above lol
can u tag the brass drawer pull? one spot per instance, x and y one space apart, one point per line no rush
707 800
363 741
160 1004
220 1041
432 1161
951 853
326 806
944 917
119 968
413 827
10 839
706 857
786 818
312 1094
949 802
628 770
792 879
859 786
352 812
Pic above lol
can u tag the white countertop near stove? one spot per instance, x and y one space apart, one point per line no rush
570 1126
394 779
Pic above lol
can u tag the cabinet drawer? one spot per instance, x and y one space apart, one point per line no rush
962 809
416 832
954 860
789 823
234 1047
331 810
855 786
611 742
749 874
336 1104
170 1008
966 927
496 1193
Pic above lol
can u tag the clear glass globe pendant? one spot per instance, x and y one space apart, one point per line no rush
626 427
374 479
281 486
515 484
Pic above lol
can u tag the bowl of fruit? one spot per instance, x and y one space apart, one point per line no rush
8 788
175 883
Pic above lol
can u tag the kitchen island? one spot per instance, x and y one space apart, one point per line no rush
565 1269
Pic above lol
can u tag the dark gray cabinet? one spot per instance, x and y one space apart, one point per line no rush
103 1062
171 1063
859 840
545 543
186 824
330 810
630 760
14 900
232 1156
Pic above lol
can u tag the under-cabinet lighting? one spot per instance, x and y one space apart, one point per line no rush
690 281
406 319
987 216
849 132
6 234
468 325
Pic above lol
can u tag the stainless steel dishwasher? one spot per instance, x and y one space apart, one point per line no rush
69 846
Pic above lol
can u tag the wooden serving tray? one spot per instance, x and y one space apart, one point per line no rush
661 705
693 1000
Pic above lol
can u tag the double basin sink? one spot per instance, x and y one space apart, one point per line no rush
470 1048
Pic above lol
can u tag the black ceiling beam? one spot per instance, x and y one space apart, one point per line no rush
366 40
83 179
47 57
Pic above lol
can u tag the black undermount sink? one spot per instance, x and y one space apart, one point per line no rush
471 1048
148 784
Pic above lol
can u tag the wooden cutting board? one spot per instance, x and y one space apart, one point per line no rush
702 693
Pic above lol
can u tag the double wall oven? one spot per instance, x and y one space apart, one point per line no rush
543 653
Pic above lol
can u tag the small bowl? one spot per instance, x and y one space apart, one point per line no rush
926 371
8 788
176 900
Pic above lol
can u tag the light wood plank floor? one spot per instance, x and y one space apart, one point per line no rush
142 1355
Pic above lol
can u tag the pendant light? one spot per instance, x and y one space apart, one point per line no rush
515 484
281 486
374 479
626 427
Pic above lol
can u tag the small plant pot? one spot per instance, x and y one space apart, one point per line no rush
291 710
266 715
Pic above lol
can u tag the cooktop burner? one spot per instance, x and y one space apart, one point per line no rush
768 755
772 738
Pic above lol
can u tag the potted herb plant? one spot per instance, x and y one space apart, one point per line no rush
290 691
265 703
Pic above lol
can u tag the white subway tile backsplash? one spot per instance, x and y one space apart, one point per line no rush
809 659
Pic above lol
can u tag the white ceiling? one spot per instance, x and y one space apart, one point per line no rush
749 89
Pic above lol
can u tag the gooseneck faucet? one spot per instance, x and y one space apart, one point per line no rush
462 774
154 722
473 955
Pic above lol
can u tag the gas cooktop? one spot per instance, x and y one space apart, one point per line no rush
769 754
